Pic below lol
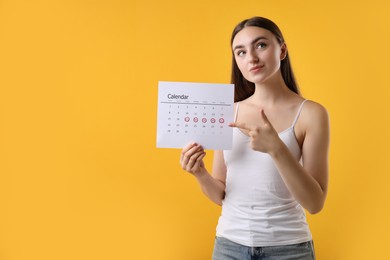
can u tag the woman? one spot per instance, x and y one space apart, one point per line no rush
278 165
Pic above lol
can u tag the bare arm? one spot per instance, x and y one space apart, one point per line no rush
213 186
308 182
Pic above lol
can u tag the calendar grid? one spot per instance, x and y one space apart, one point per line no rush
189 112
193 103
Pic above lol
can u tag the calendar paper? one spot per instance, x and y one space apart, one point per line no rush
195 112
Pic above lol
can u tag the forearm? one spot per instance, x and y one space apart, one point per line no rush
305 189
214 189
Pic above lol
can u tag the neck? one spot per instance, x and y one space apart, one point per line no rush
270 92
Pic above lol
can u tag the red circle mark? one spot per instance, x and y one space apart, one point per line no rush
195 119
204 120
187 119
221 120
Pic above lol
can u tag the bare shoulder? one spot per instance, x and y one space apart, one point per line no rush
313 110
314 116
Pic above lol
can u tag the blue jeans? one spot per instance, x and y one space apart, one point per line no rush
225 249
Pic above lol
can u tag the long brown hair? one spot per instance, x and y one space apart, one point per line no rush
244 88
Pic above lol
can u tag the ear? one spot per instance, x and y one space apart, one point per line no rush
283 52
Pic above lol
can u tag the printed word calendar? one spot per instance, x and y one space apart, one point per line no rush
195 112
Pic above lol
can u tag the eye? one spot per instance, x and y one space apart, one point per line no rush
240 53
261 45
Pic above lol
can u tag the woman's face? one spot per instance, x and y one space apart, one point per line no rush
258 54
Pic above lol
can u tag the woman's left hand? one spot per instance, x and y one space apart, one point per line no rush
264 137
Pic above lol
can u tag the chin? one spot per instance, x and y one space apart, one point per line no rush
258 80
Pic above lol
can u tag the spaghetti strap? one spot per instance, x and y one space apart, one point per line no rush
236 113
299 112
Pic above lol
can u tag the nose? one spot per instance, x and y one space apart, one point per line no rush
253 58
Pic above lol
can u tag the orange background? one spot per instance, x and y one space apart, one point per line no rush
80 177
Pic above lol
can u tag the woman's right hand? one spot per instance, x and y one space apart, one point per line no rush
191 159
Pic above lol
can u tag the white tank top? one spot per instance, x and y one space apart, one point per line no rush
258 209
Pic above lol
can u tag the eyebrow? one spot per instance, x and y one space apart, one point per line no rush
255 40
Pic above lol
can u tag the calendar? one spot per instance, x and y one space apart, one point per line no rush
195 112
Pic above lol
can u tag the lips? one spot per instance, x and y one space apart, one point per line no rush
255 68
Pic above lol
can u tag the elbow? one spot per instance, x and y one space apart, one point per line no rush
219 200
317 203
317 208
314 211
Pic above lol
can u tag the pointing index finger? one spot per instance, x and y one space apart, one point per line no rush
240 125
